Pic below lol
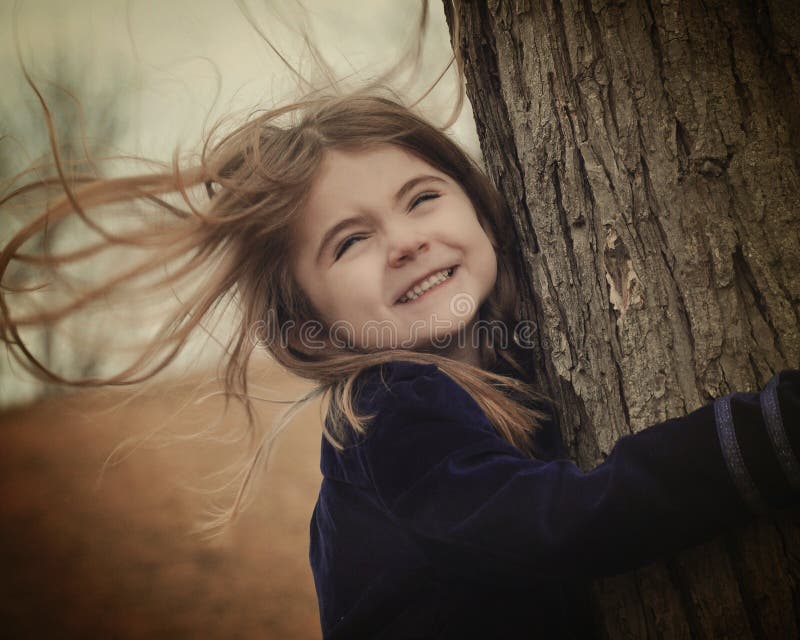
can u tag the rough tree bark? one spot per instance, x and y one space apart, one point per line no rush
649 152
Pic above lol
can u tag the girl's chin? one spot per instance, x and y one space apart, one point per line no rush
425 342
431 331
442 340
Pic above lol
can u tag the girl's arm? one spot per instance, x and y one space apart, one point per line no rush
476 504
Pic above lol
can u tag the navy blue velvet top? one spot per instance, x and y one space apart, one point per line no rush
433 526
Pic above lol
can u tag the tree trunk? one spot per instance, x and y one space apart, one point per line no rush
649 154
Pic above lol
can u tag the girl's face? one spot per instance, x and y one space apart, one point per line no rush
390 252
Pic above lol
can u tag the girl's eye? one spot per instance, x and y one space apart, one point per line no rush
346 245
350 240
422 197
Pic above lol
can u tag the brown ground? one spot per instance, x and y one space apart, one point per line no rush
116 560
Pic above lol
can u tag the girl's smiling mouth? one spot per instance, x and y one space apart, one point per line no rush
434 281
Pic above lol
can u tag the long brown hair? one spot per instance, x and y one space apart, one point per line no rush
225 225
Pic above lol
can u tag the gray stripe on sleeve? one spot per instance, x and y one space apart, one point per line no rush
771 412
733 455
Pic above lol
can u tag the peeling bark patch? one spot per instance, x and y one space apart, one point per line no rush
623 282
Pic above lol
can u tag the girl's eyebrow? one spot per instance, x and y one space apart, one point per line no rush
331 233
361 219
410 184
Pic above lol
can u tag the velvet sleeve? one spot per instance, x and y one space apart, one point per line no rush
478 506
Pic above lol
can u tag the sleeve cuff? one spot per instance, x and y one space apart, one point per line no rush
773 421
734 460
759 452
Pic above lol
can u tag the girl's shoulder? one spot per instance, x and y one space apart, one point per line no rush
414 389
403 393
397 397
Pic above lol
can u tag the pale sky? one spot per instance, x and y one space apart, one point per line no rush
171 54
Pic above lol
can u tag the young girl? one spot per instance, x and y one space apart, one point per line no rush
368 253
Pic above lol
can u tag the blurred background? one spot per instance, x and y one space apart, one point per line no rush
95 533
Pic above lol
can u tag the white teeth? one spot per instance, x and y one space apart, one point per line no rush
428 283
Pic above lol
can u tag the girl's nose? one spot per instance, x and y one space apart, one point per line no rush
406 249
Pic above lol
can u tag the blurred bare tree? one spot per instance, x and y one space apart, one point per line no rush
84 101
